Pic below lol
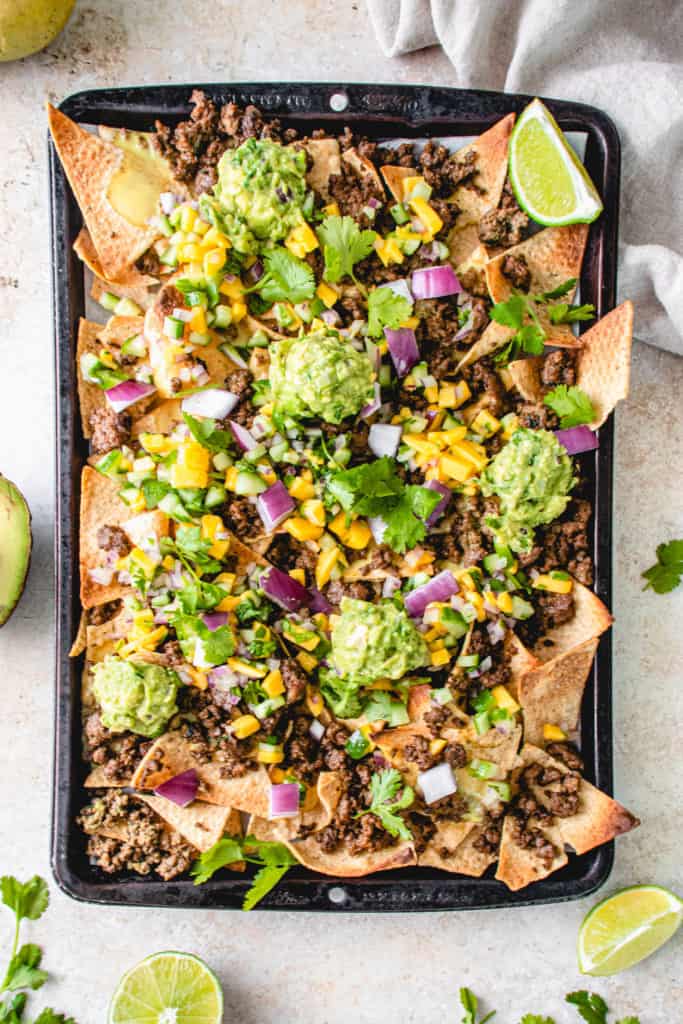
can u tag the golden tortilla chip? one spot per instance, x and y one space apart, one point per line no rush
92 338
78 646
469 257
605 361
343 864
552 693
495 336
98 779
363 167
591 619
521 661
326 158
519 867
526 377
491 148
200 823
100 506
553 256
453 848
393 175
599 818
162 419
101 640
316 813
112 188
131 284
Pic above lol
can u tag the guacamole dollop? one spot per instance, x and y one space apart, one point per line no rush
135 697
320 374
375 641
531 476
260 190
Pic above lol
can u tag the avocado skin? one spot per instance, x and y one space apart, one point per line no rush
15 546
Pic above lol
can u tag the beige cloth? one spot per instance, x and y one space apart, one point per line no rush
624 56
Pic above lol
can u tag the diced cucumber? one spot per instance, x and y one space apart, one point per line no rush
216 495
248 483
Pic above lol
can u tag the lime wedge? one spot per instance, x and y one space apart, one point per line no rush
627 927
548 179
168 988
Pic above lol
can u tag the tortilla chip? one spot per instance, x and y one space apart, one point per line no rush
599 818
591 619
495 336
91 338
326 159
100 506
131 284
393 175
469 257
98 779
453 848
519 867
171 754
553 256
363 167
343 864
93 166
101 640
552 693
78 646
315 815
160 420
200 823
605 361
526 377
521 660
491 148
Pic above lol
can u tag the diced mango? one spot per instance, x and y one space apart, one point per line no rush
410 182
232 289
440 657
299 575
485 423
327 294
301 489
553 733
247 668
389 251
314 510
191 468
239 311
504 602
302 529
324 566
245 725
231 477
504 699
456 468
432 393
331 210
273 684
307 661
427 215
553 584
268 754
436 746
211 527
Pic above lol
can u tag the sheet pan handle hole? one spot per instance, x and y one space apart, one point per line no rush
339 102
337 895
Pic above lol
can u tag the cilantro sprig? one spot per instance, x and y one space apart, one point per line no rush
590 1006
208 435
375 489
386 801
666 574
470 1005
274 861
29 901
285 279
571 404
519 309
386 309
343 245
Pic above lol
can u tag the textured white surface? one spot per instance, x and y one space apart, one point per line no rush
284 967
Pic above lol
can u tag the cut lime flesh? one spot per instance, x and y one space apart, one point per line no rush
548 179
168 988
626 928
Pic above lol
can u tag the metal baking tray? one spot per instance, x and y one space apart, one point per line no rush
380 112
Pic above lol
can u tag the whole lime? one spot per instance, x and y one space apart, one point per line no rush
27 26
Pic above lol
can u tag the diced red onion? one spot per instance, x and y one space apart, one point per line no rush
400 287
319 602
181 789
317 730
437 783
214 620
373 406
255 272
390 586
127 393
214 403
379 760
377 528
284 800
496 632
245 441
436 485
284 590
435 282
465 329
330 316
274 505
167 202
403 349
373 202
578 439
440 588
384 439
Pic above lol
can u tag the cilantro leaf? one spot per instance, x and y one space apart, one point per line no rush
531 339
24 969
48 1016
153 491
197 595
470 1005
557 293
590 1005
510 313
535 1018
386 309
207 434
12 1010
571 404
406 520
286 278
341 693
27 899
665 576
386 801
385 708
201 645
274 860
225 851
343 245
563 313
265 879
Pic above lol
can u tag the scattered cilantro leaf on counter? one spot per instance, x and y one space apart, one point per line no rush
48 1016
274 861
535 1018
343 245
571 404
285 279
666 574
470 1005
384 791
386 309
590 1005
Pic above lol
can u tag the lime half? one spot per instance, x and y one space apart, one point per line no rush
627 927
168 988
548 179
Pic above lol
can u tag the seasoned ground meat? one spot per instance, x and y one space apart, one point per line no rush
149 263
440 322
559 367
455 755
302 752
332 747
287 554
108 429
118 754
442 170
467 529
537 416
436 718
506 225
566 753
361 590
531 838
242 517
353 193
169 299
113 539
172 653
450 808
418 752
480 644
515 267
294 678
484 380
239 382
103 613
564 544
554 609
422 827
488 840
358 832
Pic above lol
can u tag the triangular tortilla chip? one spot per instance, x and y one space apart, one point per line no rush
605 361
78 646
553 256
130 285
552 693
200 823
100 506
521 661
453 849
591 619
159 420
519 867
101 175
526 377
491 149
171 754
326 159
101 640
393 175
343 864
363 167
316 814
495 336
599 818
469 257
97 779
92 338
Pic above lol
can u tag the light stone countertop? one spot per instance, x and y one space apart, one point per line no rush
307 968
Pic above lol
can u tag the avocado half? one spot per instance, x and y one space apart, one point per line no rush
15 546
